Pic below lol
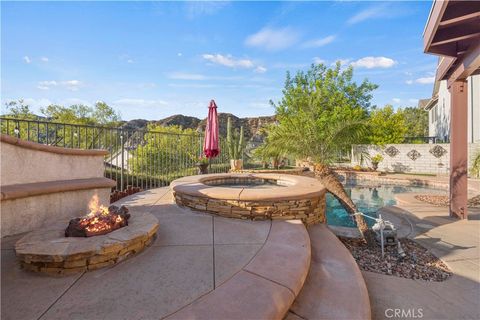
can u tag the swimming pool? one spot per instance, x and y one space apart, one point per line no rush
368 198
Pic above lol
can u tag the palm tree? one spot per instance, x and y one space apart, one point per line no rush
322 112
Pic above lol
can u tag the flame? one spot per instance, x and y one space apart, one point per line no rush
95 208
98 219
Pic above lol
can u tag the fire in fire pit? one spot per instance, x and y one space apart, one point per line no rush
100 220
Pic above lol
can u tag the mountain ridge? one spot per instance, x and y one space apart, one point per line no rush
252 125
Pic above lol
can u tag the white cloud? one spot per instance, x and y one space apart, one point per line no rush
375 11
231 62
45 85
374 62
422 80
179 54
138 103
260 69
343 62
126 58
37 103
273 39
27 59
72 85
396 100
316 43
186 76
425 80
281 65
318 60
413 100
228 61
193 85
44 59
200 8
147 85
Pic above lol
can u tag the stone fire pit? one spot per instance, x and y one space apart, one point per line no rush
48 250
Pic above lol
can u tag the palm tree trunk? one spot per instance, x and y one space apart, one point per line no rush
334 186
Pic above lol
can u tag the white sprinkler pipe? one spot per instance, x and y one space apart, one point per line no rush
381 224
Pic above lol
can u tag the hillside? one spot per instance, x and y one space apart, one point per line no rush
252 126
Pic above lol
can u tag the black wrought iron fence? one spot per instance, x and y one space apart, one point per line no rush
137 158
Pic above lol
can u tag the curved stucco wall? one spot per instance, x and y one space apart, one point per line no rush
42 184
26 214
22 164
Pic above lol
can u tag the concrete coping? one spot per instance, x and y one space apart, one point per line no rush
296 170
334 274
293 187
16 191
267 286
52 149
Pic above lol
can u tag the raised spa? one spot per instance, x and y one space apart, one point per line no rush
253 196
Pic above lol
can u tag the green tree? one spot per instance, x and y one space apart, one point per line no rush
323 111
164 150
79 114
387 126
18 109
416 122
100 114
268 151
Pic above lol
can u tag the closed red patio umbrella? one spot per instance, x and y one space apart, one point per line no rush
211 147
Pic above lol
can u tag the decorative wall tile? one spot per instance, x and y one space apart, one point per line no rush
438 151
414 154
392 151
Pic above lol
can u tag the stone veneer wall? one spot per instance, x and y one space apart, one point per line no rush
310 211
412 158
92 253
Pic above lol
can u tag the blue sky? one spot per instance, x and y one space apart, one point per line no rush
154 59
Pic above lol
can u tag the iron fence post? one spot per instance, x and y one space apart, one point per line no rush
123 160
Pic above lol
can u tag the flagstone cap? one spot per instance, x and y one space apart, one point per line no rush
48 250
294 187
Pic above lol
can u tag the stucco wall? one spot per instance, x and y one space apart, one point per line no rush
26 214
29 166
474 109
23 165
425 163
439 114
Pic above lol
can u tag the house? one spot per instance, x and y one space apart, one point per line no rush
438 108
452 32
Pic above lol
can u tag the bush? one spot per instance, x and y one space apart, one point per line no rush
475 169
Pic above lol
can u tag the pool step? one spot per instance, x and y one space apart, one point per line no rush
334 288
267 286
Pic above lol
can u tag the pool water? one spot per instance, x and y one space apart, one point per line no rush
368 198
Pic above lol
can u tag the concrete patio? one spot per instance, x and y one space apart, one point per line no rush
457 243
193 254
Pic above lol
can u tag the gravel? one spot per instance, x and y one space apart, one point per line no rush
442 201
419 263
